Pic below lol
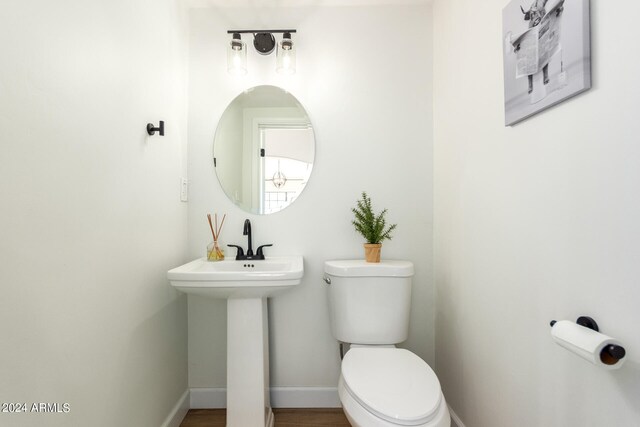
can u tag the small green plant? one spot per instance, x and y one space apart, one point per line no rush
372 227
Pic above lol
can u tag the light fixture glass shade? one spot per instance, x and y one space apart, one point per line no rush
286 55
237 56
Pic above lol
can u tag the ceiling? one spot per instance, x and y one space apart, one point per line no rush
295 3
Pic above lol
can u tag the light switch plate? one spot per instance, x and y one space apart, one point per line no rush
184 189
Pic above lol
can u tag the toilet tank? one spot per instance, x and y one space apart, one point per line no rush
369 303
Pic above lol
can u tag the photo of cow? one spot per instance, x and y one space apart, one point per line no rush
546 54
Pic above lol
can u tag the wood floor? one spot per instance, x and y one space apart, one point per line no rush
307 417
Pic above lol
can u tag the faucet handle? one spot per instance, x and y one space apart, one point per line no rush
259 254
240 253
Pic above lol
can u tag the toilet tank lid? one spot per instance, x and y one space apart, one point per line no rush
361 268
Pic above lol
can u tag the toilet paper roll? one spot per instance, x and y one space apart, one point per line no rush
586 343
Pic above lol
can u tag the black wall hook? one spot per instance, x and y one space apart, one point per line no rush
151 130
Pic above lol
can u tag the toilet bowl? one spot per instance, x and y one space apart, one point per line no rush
386 387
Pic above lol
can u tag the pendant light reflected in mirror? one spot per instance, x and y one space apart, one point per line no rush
279 179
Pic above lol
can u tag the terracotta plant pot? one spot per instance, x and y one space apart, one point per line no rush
372 252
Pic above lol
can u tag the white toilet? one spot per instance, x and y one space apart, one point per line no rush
380 385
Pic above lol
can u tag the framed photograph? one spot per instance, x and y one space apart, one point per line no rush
547 54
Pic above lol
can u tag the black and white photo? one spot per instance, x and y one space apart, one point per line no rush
546 54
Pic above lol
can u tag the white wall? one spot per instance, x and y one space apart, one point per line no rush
364 76
533 223
90 218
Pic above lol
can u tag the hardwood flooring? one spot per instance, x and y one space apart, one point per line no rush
306 417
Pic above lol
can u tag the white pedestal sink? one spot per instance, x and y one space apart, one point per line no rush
245 285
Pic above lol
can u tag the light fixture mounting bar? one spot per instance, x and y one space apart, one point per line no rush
259 31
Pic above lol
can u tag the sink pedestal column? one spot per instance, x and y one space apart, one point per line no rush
248 402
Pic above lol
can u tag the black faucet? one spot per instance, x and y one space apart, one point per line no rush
247 232
240 255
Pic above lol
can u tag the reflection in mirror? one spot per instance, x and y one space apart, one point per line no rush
264 149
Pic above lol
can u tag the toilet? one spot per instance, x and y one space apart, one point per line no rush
380 385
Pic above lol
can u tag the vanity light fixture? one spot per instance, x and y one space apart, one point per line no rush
264 42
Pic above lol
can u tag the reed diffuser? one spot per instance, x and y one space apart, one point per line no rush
214 253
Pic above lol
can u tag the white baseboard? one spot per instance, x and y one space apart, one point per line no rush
178 412
455 418
281 397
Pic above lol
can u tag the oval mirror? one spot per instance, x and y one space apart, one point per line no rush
263 149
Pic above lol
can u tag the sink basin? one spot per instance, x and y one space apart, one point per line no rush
237 279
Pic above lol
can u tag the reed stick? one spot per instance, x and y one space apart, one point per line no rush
221 224
211 227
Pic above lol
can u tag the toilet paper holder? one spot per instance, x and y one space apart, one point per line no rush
611 354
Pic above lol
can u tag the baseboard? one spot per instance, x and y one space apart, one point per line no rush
281 397
455 418
178 412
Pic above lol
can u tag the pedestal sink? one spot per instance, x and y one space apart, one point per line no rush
245 285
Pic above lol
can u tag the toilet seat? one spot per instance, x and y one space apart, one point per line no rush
393 384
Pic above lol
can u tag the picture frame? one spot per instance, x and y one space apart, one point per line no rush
547 54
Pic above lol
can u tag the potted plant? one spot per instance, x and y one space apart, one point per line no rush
372 227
